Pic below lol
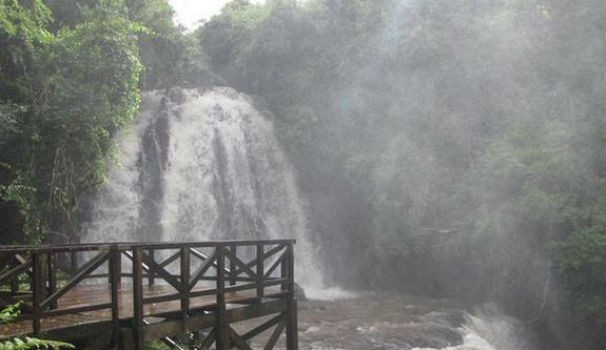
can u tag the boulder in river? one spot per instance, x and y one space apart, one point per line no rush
300 292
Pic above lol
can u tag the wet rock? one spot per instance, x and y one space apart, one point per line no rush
300 293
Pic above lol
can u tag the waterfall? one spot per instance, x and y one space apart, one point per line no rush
199 166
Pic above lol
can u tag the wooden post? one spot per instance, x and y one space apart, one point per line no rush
222 334
138 297
51 276
115 276
291 326
284 271
15 285
15 279
295 325
150 272
185 272
260 272
37 289
232 265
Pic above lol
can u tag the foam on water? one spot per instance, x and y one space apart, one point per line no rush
472 340
328 293
488 328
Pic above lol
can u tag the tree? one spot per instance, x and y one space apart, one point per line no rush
80 86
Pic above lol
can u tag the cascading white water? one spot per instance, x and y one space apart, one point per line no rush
403 322
488 328
203 165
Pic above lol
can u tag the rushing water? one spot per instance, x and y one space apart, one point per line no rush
379 321
204 165
374 322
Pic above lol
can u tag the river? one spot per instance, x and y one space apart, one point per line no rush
383 321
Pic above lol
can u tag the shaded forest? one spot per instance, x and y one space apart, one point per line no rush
459 146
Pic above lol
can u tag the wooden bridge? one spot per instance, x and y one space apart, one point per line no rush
221 295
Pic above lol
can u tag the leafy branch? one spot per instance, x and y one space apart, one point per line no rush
12 312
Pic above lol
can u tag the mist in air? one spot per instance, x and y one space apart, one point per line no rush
442 164
444 149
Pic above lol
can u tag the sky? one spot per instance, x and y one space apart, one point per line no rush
190 12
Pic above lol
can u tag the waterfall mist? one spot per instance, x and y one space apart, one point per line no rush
204 165
428 156
449 148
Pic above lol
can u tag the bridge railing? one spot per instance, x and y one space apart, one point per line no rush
52 281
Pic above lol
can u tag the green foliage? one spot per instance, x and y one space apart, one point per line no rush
80 86
12 312
25 22
8 121
163 47
230 35
484 119
582 265
27 343
157 346
481 118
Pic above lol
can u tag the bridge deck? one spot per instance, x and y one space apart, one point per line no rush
166 290
90 295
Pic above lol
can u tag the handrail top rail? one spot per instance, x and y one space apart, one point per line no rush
68 247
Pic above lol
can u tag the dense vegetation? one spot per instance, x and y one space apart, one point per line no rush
463 141
70 79
66 87
468 136
9 314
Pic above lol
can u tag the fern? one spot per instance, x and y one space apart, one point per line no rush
28 343
12 312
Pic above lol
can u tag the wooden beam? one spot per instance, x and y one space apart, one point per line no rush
174 324
115 272
263 327
267 255
209 340
170 259
161 272
38 290
51 270
201 271
260 273
237 340
274 266
150 274
15 271
291 326
275 336
75 310
184 290
138 323
194 311
222 336
85 270
232 265
243 267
